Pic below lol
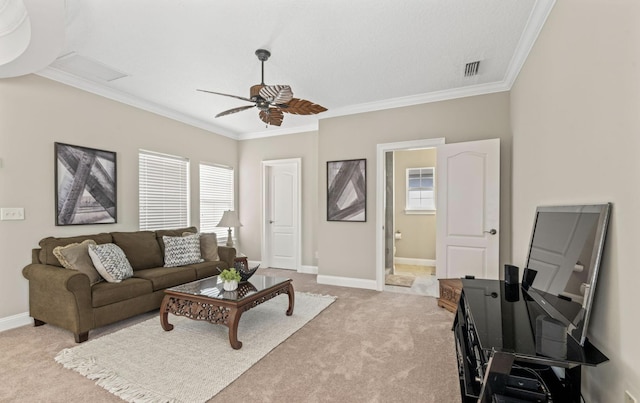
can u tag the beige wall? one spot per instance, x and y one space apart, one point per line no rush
252 153
36 112
576 139
347 249
418 230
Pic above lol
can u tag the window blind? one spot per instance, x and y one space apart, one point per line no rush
420 194
163 191
216 196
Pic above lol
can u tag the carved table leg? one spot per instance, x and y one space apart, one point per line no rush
292 298
164 313
234 319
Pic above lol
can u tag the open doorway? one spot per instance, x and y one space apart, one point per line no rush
410 221
387 201
468 207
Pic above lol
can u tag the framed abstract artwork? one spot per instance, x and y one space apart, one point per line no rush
347 190
85 181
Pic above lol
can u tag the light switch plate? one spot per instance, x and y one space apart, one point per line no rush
14 213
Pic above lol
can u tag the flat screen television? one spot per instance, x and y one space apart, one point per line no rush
563 262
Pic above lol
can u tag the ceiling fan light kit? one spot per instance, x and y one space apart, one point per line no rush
271 100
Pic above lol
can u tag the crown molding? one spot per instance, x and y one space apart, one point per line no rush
312 127
132 100
401 102
537 19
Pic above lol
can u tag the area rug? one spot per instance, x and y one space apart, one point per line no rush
192 362
399 280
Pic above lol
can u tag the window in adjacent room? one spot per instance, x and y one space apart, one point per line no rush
420 190
216 196
163 191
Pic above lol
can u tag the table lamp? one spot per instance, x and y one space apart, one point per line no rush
229 219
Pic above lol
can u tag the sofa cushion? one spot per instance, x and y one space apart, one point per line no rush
75 256
47 245
208 269
171 232
108 293
111 262
181 250
140 247
208 246
165 277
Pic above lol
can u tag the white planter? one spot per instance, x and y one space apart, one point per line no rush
230 285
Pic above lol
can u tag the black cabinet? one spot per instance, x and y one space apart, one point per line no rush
509 350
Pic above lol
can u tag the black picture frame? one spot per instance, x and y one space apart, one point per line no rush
86 185
347 190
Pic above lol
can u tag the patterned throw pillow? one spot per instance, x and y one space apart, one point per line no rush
181 250
111 262
75 256
208 245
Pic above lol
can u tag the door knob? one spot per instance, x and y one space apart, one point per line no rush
271 221
492 231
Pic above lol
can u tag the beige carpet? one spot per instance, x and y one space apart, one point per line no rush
367 346
399 280
145 363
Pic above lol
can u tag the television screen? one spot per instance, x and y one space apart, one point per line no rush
563 262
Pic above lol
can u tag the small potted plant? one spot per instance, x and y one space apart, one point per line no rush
231 278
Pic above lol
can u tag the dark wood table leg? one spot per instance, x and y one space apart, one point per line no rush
292 299
164 313
234 319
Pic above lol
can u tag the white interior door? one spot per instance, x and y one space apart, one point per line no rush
281 212
468 209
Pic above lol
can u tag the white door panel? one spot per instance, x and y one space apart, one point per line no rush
281 243
468 209
465 260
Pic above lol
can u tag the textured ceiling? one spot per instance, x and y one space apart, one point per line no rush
347 56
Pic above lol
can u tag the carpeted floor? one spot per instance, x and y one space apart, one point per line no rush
368 346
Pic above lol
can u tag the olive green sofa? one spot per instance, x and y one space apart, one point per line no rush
65 298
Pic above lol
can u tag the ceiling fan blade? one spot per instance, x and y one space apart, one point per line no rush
299 106
234 110
277 94
272 116
226 95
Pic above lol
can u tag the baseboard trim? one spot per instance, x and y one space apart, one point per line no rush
416 262
308 269
347 282
253 263
11 322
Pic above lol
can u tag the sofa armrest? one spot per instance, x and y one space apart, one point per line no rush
60 296
227 254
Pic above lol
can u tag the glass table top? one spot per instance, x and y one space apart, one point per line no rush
212 287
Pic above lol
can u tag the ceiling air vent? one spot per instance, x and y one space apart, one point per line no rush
471 69
85 67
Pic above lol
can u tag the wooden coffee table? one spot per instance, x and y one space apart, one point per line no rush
206 300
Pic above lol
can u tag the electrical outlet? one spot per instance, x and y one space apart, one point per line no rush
628 397
7 214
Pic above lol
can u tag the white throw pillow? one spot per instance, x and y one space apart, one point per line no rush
181 250
111 262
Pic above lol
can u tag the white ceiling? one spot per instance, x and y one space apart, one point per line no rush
348 56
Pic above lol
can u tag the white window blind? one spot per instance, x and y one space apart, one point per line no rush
216 196
163 191
420 189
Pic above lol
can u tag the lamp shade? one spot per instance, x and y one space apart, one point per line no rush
229 219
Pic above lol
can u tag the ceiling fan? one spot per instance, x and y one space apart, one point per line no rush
272 100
